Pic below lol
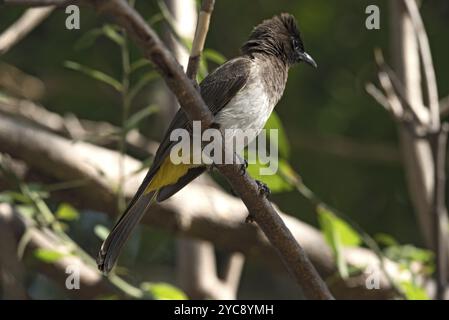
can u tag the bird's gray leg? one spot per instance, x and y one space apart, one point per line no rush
263 188
264 191
243 163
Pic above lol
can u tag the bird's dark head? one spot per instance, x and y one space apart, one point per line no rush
280 37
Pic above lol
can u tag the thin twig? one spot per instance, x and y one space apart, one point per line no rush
24 25
378 95
426 55
200 38
387 85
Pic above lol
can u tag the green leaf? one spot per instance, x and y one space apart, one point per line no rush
385 240
275 181
110 32
408 253
163 291
88 39
26 210
67 212
136 65
214 56
101 232
48 256
136 118
95 74
274 122
19 197
413 291
288 173
338 234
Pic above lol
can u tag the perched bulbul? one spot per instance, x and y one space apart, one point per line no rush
241 94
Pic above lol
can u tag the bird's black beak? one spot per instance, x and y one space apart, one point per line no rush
304 56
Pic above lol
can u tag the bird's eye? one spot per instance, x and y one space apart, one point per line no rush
295 44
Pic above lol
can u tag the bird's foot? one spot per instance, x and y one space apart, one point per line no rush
263 189
250 218
243 167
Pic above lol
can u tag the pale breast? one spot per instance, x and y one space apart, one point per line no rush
250 109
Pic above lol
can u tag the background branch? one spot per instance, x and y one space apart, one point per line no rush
24 25
215 216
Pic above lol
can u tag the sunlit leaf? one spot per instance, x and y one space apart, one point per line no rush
108 297
95 74
288 173
274 122
19 197
274 181
67 212
385 240
26 210
409 253
88 39
48 256
413 291
101 232
163 291
110 32
338 234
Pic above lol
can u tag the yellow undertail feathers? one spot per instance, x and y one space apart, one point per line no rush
167 174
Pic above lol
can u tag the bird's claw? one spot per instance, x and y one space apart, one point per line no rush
263 188
243 167
249 218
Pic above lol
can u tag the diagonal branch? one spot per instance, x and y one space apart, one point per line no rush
24 25
426 55
190 100
197 263
215 216
200 38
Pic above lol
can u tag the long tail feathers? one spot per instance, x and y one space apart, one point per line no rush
113 245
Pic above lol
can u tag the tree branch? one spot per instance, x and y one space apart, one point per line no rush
191 101
200 38
24 25
215 216
426 55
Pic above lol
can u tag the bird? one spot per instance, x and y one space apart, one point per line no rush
241 94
